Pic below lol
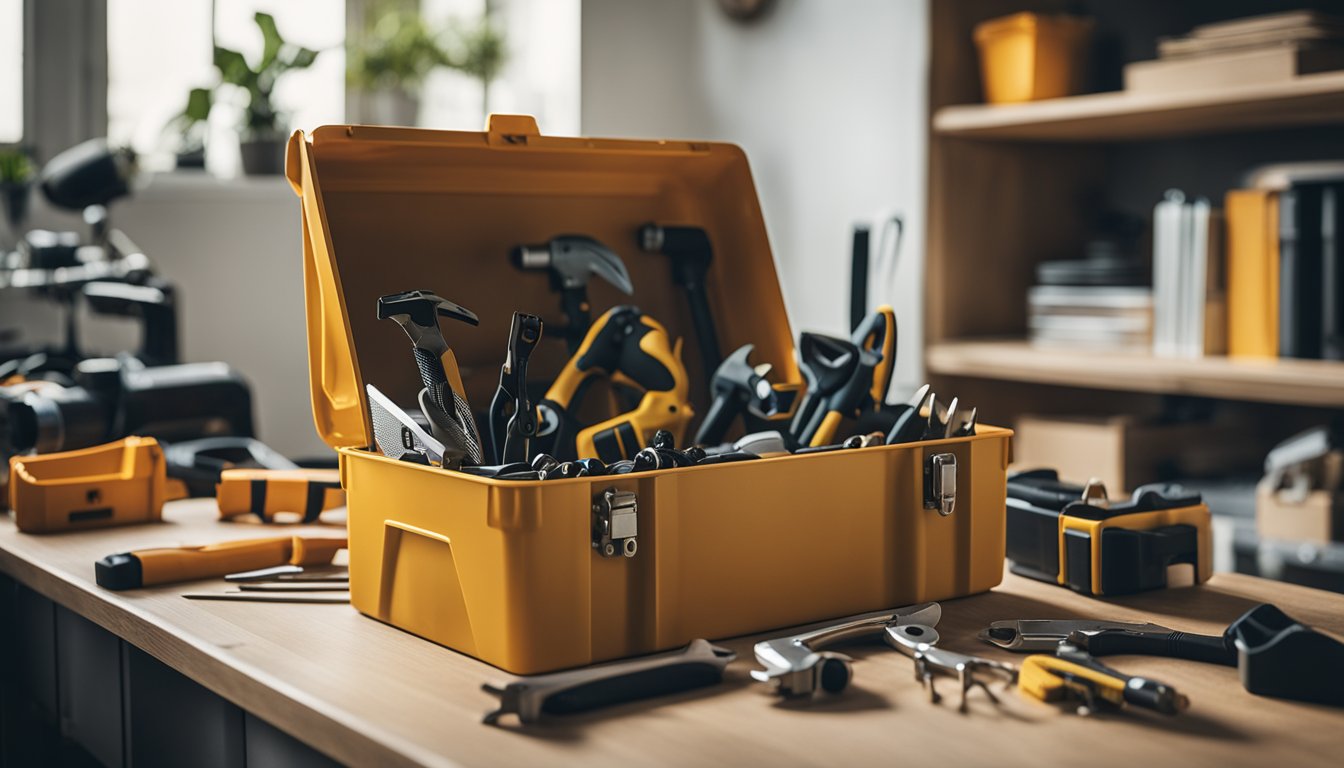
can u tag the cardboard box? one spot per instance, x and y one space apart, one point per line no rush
1288 516
1125 452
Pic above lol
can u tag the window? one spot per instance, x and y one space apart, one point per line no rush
158 50
11 71
541 69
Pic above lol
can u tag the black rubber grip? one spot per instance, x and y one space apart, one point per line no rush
119 571
1210 649
659 681
718 419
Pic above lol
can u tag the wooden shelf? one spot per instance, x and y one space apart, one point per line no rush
1297 382
1122 116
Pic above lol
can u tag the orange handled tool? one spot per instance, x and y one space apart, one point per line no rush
150 567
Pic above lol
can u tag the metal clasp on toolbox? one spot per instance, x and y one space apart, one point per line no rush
940 483
615 523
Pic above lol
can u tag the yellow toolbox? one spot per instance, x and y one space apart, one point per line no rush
118 483
507 571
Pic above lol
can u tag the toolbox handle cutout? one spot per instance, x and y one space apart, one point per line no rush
431 604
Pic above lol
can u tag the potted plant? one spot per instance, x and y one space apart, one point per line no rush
16 183
191 128
390 62
262 133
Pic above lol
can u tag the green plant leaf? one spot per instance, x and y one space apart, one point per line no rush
199 101
272 42
233 68
302 58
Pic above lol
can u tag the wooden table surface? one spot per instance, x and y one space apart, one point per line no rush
368 694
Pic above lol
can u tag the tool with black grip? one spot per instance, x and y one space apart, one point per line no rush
150 567
443 399
907 425
511 433
628 348
827 364
877 334
691 254
1073 674
839 375
1277 656
737 387
571 260
698 664
1076 537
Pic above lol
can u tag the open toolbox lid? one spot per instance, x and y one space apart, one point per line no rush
394 209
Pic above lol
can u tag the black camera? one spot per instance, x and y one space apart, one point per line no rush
115 397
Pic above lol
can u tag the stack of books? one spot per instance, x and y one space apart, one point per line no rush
1189 297
1248 51
1099 302
1285 271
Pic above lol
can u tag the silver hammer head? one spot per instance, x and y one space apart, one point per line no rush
573 259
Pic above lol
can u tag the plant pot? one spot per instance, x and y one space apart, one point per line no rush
191 160
263 156
14 196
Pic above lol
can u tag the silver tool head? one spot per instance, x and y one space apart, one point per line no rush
765 443
1036 635
797 666
920 643
396 433
575 258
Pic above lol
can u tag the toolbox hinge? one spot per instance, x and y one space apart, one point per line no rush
940 483
615 523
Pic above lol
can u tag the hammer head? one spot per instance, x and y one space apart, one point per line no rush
736 376
422 308
572 259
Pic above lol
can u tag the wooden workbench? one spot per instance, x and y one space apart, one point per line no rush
368 694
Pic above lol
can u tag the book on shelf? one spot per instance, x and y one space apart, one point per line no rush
1096 316
1252 272
1286 264
1189 300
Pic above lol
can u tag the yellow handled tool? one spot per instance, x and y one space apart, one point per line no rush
628 348
1072 674
149 567
268 493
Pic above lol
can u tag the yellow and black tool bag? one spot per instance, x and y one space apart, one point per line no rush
1073 536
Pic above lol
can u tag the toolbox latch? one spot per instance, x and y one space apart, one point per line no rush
510 129
615 523
940 483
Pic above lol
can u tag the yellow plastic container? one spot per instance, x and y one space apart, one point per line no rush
507 571
1029 56
119 483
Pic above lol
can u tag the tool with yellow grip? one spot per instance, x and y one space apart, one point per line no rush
631 349
845 379
270 494
1072 674
1076 537
150 567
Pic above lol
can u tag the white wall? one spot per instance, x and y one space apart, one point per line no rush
828 100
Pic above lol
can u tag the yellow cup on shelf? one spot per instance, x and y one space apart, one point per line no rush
1030 56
